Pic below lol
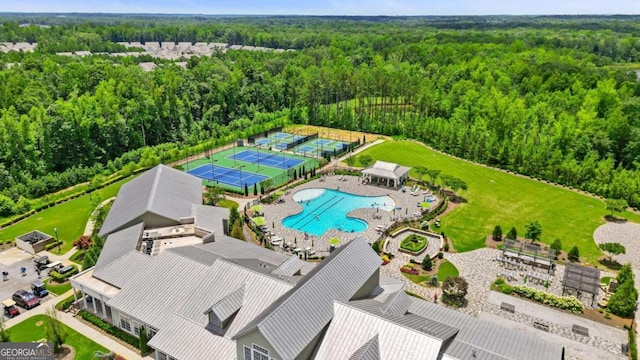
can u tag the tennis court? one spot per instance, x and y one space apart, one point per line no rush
280 161
228 176
319 146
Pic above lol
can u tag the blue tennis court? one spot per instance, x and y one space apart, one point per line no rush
267 159
323 142
263 141
282 146
298 137
281 135
306 149
226 175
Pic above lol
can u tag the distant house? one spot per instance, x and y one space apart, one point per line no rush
168 266
387 173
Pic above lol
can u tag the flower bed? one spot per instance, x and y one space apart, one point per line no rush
570 303
409 271
414 243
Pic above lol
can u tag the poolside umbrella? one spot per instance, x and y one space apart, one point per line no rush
334 241
256 208
259 220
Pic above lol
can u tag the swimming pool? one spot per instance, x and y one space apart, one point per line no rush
324 209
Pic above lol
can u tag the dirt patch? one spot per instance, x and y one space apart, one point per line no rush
39 323
335 134
66 353
615 321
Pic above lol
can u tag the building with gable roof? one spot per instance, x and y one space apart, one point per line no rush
200 294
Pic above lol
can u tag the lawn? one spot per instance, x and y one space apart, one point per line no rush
29 330
445 270
56 288
413 243
498 198
418 279
226 203
70 218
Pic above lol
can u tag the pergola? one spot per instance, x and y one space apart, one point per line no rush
530 253
581 279
387 173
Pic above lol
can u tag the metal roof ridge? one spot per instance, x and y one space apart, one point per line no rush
230 262
154 187
397 324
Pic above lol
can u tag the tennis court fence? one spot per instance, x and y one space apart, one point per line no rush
302 140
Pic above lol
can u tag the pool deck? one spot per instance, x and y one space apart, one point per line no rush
274 213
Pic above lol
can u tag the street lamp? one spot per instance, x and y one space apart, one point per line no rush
55 231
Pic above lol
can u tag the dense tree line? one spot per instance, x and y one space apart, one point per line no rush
547 97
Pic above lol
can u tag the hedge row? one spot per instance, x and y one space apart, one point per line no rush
52 245
65 304
442 207
110 329
570 303
409 271
60 278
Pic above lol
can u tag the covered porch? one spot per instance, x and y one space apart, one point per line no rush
92 295
386 174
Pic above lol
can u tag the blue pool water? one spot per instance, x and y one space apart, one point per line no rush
324 209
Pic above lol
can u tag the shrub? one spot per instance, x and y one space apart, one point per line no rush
497 233
52 245
440 255
502 286
57 277
512 234
409 271
623 301
570 303
625 273
454 291
574 254
433 281
65 304
557 246
446 247
376 247
84 242
110 329
424 225
427 264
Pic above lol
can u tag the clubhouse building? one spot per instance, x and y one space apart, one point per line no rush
168 267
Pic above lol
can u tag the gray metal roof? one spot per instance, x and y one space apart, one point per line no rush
124 269
185 340
351 328
118 244
369 351
229 305
464 351
196 254
221 280
386 170
162 190
210 217
338 277
231 248
164 286
290 266
482 335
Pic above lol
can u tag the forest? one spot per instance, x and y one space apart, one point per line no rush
555 98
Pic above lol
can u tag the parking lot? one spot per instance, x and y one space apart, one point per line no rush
11 261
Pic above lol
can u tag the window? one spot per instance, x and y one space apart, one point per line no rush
256 353
124 323
136 329
152 332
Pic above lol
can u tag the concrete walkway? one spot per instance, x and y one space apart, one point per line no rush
84 329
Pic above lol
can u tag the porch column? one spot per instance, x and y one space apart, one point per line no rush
93 301
104 309
75 296
84 297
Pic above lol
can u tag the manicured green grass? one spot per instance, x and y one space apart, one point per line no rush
605 280
226 203
69 218
445 270
77 257
56 288
497 198
28 331
413 243
418 279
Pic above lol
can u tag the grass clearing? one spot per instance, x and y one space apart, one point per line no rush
498 198
418 279
445 270
69 218
56 288
33 329
227 203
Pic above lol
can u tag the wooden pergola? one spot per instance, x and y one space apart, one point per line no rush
530 254
580 279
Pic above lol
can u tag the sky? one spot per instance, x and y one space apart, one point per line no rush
329 7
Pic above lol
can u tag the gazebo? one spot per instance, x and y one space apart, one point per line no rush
580 279
386 173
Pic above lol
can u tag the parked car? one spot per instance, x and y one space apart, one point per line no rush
10 308
25 299
39 289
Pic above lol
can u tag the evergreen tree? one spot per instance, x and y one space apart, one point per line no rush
497 233
512 234
144 348
236 231
574 254
427 264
